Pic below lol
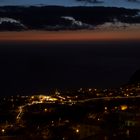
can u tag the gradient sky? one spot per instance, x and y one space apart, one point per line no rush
37 60
107 3
71 35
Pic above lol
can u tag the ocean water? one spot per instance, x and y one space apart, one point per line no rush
39 65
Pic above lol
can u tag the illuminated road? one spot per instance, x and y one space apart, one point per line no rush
21 108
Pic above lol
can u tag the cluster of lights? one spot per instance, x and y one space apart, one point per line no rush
43 98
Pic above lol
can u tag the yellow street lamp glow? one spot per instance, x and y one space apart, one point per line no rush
32 97
77 130
124 107
45 109
3 130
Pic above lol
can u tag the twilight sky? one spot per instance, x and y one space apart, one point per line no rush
110 3
37 60
132 34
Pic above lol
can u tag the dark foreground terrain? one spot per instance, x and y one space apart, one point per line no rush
74 114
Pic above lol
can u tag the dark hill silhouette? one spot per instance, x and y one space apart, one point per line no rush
135 77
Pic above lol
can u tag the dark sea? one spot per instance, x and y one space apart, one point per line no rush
27 66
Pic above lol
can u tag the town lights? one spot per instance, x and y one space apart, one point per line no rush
77 130
3 130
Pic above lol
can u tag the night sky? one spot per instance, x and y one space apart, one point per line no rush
39 66
34 60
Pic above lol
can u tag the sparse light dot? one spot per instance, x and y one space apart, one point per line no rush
105 108
77 130
3 130
32 97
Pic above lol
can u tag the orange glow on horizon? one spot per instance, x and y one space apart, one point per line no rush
84 35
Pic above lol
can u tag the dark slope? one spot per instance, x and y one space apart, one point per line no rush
135 77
